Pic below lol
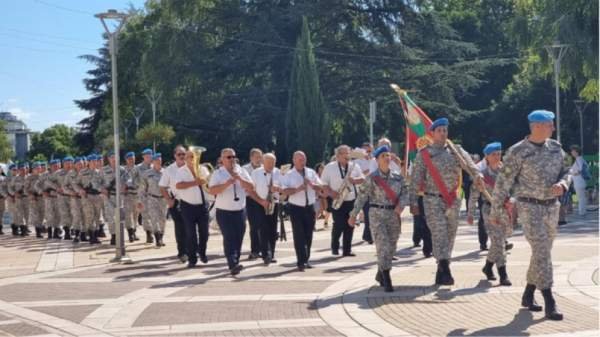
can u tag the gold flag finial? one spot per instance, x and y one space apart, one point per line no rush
397 89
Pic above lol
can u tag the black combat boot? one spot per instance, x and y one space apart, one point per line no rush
504 281
379 277
83 237
387 281
550 306
24 230
93 237
1 227
56 233
157 239
130 234
149 237
113 239
49 233
528 299
101 233
135 237
15 229
38 232
67 233
438 275
488 271
76 236
446 277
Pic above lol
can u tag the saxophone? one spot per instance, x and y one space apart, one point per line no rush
271 209
343 190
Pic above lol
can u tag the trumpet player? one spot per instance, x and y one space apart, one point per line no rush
229 184
253 209
267 181
340 178
194 208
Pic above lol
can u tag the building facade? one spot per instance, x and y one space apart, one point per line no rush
17 133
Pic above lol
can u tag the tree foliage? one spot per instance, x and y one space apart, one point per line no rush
6 151
56 141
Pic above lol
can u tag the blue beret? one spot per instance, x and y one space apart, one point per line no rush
36 164
78 159
55 161
539 116
147 151
492 147
68 158
157 155
23 165
439 122
110 153
380 150
12 167
129 154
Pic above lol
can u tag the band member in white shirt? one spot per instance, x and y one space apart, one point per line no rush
194 208
169 191
267 181
301 184
340 177
229 183
253 209
395 164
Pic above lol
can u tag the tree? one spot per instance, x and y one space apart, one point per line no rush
161 133
56 141
6 151
307 120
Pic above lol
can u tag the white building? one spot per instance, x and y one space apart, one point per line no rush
17 133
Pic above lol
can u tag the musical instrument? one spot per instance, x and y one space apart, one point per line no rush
343 190
271 208
197 151
235 171
358 153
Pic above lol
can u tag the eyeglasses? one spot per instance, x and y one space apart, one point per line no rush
180 155
230 157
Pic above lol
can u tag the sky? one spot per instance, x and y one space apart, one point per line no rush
40 41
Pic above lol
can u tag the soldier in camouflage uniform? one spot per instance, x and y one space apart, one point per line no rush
130 181
88 187
442 203
155 206
144 214
70 188
387 194
102 216
64 197
534 172
10 200
49 185
109 194
35 198
16 187
3 199
489 168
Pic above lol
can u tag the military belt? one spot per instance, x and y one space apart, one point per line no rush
156 196
382 206
132 193
546 202
433 195
92 191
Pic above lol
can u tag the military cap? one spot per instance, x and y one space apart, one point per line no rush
439 122
540 116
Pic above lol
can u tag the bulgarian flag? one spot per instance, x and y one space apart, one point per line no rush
417 125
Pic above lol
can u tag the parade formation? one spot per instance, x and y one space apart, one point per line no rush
73 199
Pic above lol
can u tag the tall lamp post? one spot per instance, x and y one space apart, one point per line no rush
557 52
580 105
120 19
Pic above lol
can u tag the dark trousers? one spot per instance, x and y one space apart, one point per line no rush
232 227
481 232
341 228
195 218
367 231
180 237
303 225
421 226
268 233
254 212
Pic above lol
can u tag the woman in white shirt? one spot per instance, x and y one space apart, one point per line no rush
578 181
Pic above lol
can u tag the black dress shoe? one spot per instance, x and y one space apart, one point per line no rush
416 245
237 269
273 261
335 252
483 247
349 254
252 257
301 268
427 255
191 265
308 265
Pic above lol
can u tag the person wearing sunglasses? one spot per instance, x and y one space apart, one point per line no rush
229 184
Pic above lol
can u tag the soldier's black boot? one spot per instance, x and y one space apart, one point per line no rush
24 230
149 237
438 275
528 299
157 239
550 306
56 233
67 233
49 233
135 237
38 232
94 237
488 271
379 278
387 281
446 277
83 237
76 236
504 281
130 234
1 227
15 229
113 239
101 233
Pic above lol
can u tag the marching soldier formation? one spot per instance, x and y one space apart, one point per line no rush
73 198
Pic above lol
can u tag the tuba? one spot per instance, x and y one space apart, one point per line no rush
344 189
197 150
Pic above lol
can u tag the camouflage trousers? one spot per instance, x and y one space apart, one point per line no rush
51 212
156 213
130 207
36 211
3 202
385 230
147 223
91 206
21 213
497 234
540 224
10 208
63 203
443 223
76 214
109 212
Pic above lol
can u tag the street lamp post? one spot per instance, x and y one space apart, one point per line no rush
120 18
556 52
580 105
153 97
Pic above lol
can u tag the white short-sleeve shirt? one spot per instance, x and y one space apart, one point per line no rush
293 179
249 168
233 198
332 177
169 179
262 179
190 195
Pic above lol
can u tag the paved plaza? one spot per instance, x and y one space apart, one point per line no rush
50 288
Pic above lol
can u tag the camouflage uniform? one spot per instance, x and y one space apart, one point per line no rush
384 223
36 200
130 180
528 173
49 184
75 206
88 181
4 196
154 203
108 183
146 222
16 187
63 201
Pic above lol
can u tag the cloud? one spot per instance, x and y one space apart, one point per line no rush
20 113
